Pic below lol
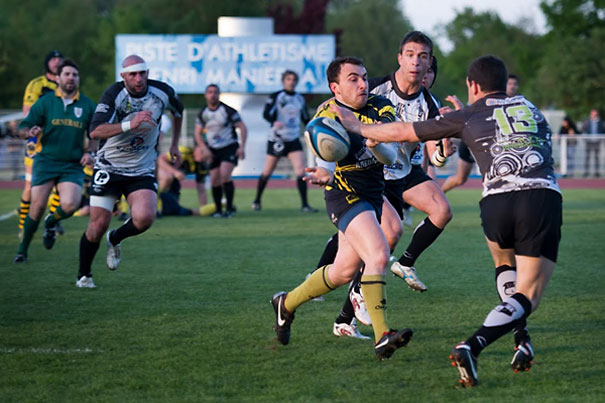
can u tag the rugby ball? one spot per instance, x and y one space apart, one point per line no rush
327 139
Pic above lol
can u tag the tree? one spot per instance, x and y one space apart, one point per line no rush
371 29
571 71
477 34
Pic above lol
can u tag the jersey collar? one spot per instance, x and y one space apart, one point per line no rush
74 99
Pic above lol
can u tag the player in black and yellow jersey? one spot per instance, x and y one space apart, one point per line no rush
37 87
169 180
354 203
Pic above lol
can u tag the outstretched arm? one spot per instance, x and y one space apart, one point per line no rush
386 132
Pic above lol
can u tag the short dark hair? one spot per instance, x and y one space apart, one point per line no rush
334 68
489 72
212 85
514 77
68 63
289 73
416 37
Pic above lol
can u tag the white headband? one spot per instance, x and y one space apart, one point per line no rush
134 68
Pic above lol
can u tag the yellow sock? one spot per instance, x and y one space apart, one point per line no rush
315 285
23 212
374 293
53 201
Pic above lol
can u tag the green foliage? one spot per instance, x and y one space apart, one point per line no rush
186 317
477 34
372 30
574 57
561 69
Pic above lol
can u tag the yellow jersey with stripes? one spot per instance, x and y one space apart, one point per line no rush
359 175
36 88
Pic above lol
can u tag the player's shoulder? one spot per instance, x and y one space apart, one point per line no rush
36 82
228 108
161 85
324 109
114 89
382 81
379 101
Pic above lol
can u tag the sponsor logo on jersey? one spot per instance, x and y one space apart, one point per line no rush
137 144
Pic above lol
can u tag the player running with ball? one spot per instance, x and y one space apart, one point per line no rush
353 202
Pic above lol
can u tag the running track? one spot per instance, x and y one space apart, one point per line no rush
473 183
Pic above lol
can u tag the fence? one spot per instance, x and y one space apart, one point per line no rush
570 155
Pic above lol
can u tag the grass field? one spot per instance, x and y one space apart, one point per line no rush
186 317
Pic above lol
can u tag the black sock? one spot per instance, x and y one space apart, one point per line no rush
126 230
347 313
262 182
501 320
329 253
506 281
229 189
302 190
424 235
88 250
217 196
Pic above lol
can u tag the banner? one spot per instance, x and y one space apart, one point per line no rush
251 64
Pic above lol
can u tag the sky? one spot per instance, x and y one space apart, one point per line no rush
426 15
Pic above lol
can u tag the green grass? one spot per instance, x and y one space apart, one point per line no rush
186 318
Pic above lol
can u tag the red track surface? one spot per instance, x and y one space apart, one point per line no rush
474 183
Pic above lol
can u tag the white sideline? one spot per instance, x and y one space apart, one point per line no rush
35 350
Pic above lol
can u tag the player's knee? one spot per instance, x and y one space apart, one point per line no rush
377 262
143 221
69 206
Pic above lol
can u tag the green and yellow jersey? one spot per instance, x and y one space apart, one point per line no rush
64 125
360 175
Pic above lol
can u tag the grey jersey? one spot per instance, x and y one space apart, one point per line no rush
288 108
219 125
509 138
415 107
134 152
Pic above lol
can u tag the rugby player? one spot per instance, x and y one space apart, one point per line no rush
354 203
216 135
521 205
127 123
59 121
285 110
36 88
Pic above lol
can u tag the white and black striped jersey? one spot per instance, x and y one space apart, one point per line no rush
415 107
288 108
133 153
219 125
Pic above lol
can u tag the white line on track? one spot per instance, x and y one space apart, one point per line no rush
35 350
8 215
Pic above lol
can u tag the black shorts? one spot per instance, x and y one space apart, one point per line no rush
393 191
464 153
342 212
109 184
201 170
394 188
527 221
226 154
283 148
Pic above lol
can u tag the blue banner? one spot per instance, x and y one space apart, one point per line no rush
251 64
